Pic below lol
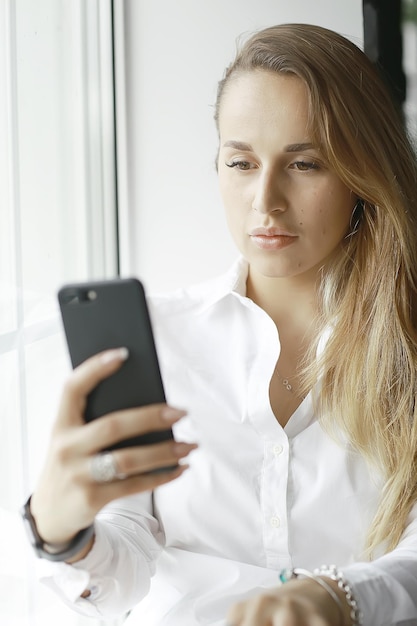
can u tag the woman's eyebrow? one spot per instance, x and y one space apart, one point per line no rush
299 147
238 145
292 147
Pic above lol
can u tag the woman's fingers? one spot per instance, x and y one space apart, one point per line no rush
112 428
143 459
83 380
128 462
115 427
135 484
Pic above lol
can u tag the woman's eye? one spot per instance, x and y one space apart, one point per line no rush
305 166
240 165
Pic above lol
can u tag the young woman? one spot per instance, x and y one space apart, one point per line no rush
297 370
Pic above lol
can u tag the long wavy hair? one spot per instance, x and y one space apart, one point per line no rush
368 296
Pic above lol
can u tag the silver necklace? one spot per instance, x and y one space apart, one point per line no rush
285 382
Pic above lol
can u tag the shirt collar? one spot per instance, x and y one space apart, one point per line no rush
232 282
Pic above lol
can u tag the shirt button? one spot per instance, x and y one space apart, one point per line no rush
277 449
275 522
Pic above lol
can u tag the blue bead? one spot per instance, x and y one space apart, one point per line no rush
285 575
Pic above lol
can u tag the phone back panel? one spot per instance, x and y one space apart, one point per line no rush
108 314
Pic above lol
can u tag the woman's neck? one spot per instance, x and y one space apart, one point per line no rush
290 302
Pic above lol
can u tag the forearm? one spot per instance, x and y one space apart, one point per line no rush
386 588
386 592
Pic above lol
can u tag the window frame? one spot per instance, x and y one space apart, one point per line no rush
92 51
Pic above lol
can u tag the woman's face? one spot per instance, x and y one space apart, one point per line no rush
286 210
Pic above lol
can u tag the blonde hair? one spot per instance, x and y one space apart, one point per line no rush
368 295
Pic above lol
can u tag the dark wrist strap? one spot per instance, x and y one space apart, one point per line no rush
61 552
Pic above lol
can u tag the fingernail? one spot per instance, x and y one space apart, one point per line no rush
183 467
119 354
182 449
172 415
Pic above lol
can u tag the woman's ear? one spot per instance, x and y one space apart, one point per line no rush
356 217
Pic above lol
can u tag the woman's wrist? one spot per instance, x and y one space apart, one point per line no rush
71 550
334 584
341 586
344 606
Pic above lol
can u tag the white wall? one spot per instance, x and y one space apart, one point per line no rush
172 227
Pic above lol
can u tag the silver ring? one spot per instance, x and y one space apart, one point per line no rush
103 468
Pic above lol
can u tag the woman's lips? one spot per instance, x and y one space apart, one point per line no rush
271 238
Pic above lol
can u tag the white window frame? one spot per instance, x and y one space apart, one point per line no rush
93 55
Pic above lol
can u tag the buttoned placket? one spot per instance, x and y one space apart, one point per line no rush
274 502
275 462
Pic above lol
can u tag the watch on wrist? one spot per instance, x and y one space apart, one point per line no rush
53 552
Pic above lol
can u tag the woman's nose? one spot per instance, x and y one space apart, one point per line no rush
269 195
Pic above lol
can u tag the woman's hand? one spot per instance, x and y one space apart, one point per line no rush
301 602
67 498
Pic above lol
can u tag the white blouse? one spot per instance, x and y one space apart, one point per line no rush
257 497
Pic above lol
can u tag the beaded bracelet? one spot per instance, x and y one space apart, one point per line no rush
331 571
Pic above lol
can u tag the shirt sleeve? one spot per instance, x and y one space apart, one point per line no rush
386 588
118 569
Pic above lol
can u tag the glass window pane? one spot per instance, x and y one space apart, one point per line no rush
46 365
7 266
51 120
10 434
56 175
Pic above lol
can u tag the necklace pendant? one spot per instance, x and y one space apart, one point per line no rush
285 382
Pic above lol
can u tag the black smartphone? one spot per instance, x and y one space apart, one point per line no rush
109 314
